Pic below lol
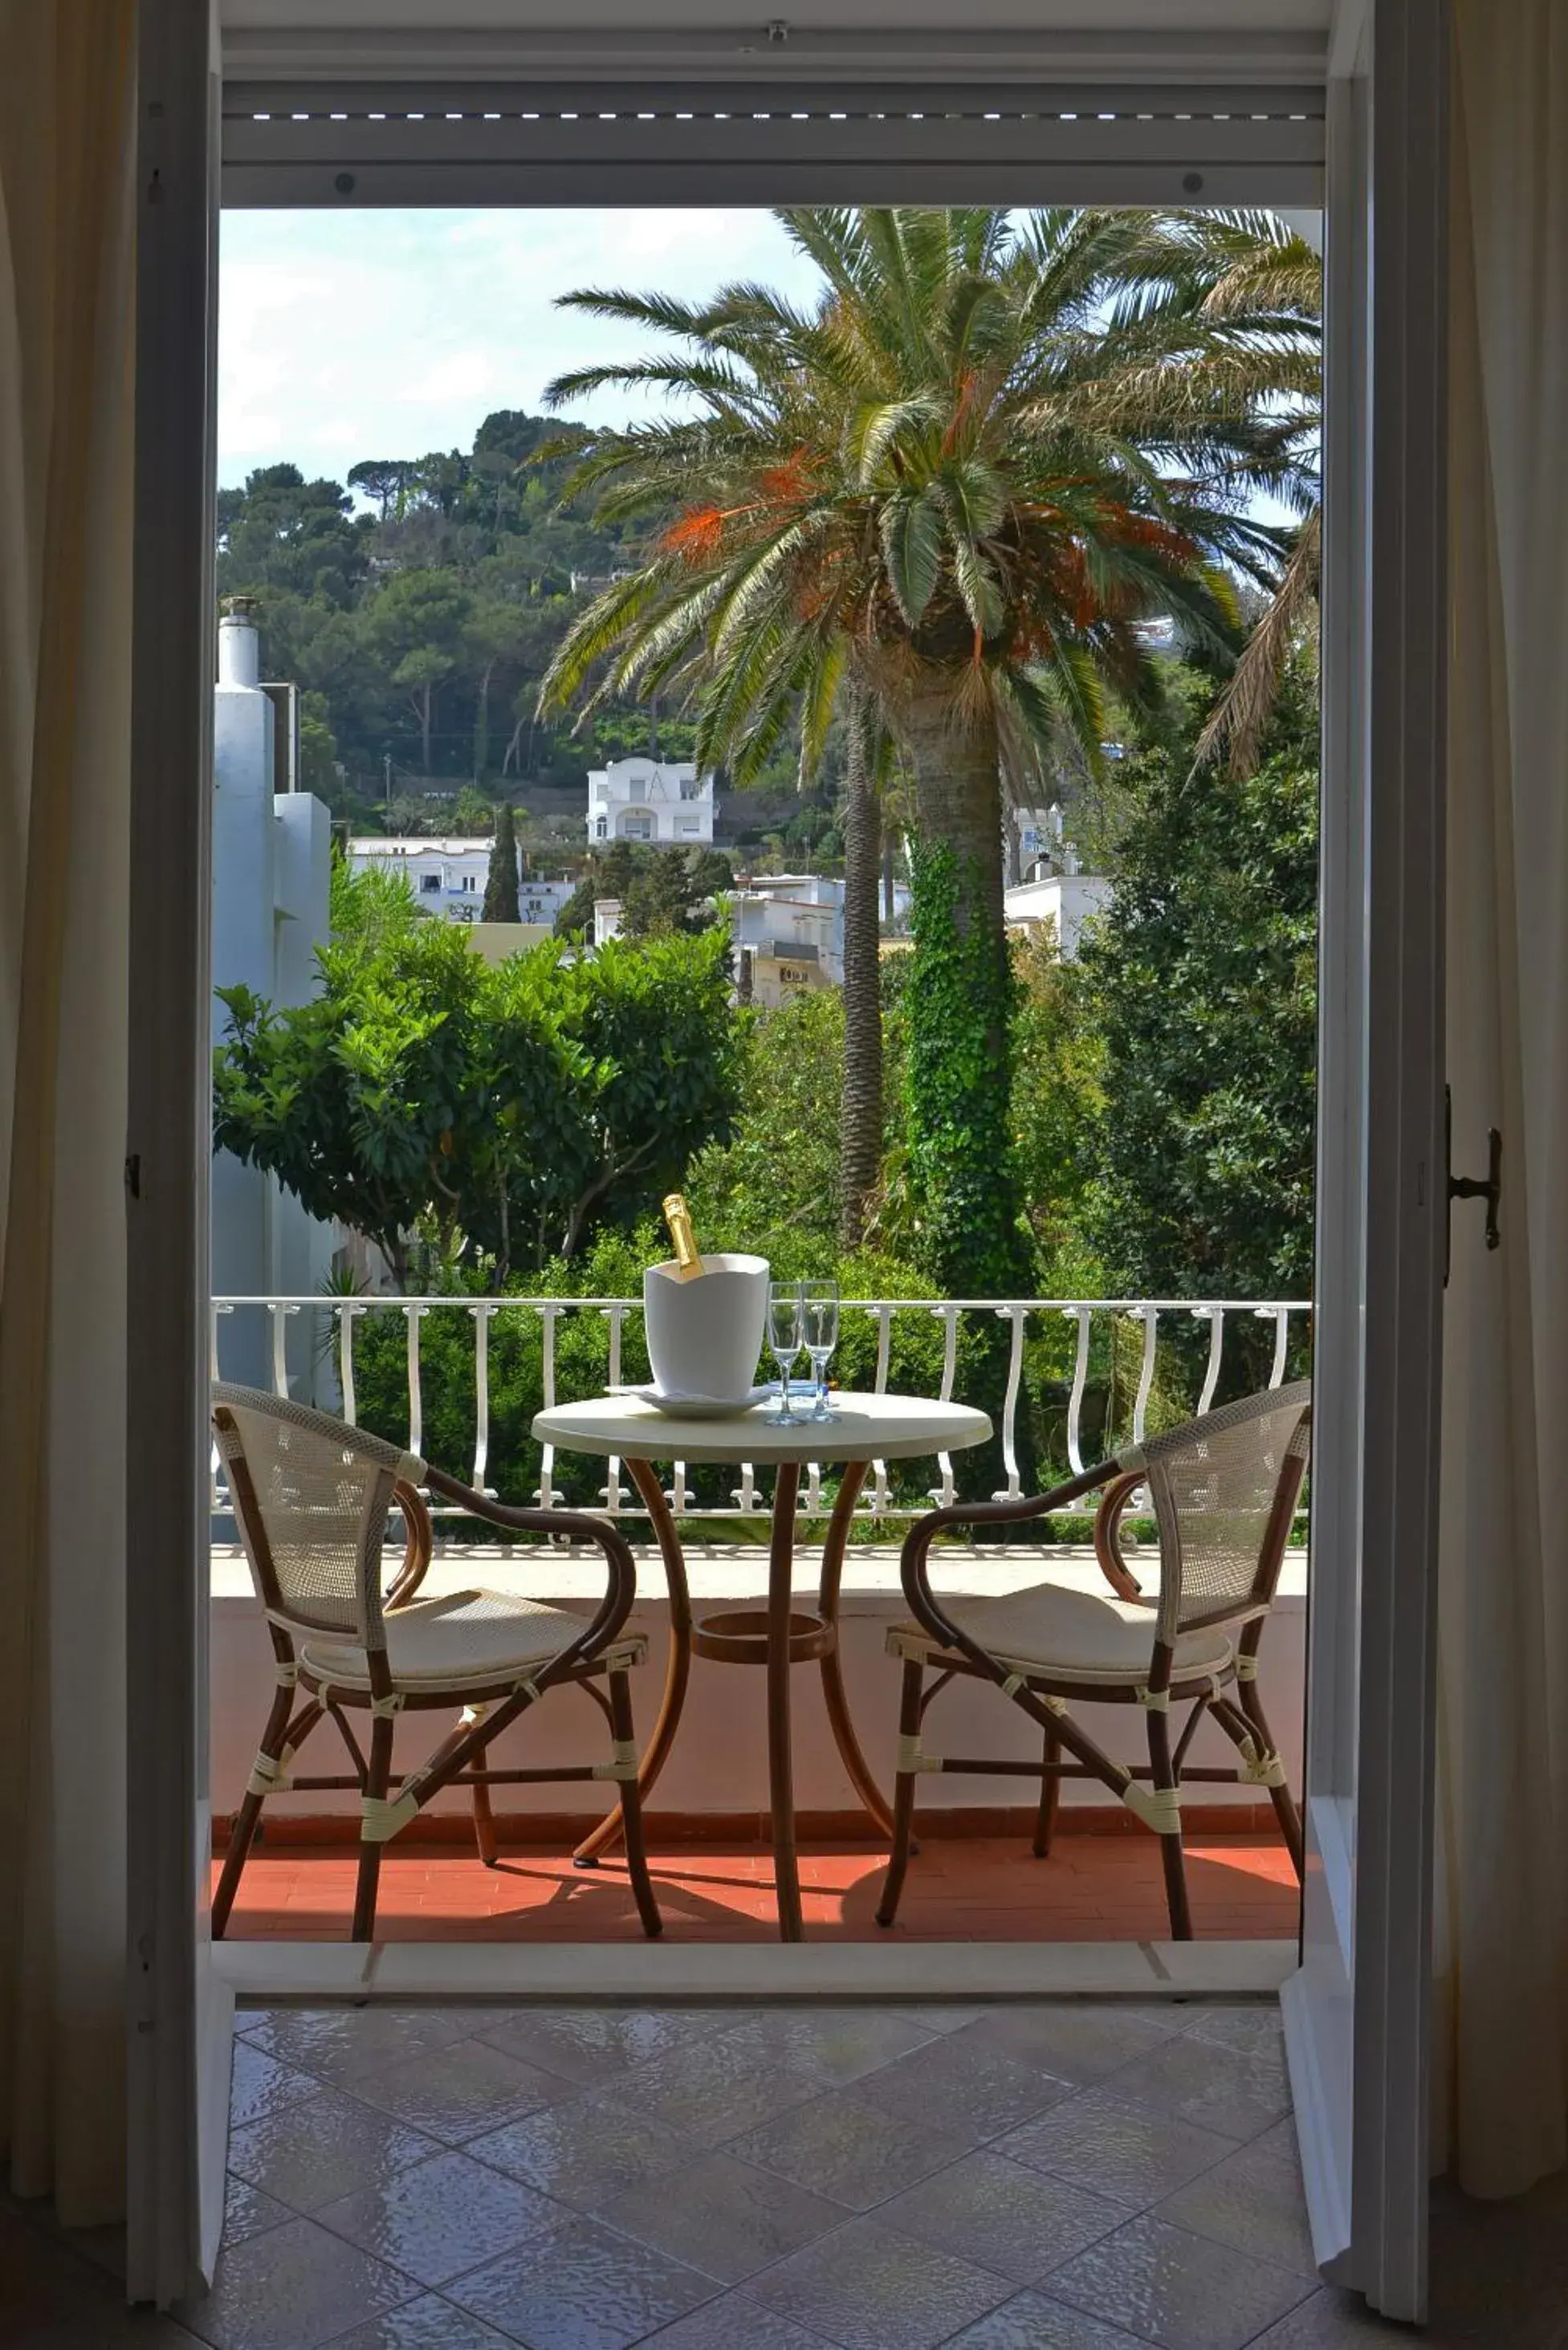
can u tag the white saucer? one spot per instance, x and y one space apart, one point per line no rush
694 1406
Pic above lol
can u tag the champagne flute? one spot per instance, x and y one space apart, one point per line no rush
819 1328
783 1342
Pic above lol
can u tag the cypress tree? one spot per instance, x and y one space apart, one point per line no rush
500 881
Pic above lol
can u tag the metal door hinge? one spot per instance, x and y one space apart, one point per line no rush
1469 1187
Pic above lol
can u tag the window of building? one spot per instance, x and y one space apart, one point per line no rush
429 883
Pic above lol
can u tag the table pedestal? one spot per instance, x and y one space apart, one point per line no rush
777 1638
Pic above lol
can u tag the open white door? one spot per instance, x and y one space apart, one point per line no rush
180 2014
1357 2016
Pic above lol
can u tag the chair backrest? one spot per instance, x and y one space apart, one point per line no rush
1224 1490
311 1499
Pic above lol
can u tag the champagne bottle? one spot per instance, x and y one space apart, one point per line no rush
678 1216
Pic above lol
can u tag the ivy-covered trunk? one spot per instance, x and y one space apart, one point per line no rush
860 1133
958 1012
960 1006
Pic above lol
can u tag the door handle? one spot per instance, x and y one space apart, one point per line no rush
1471 1187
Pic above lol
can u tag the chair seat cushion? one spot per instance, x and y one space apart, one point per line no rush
464 1639
1079 1636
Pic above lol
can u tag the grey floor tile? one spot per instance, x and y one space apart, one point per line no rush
1257 2025
1240 2091
247 2212
292 2289
870 2288
455 2092
259 2085
590 2045
711 2091
1176 2289
1252 2200
1076 2042
327 2147
1110 2148
830 2046
583 2288
341 2044
735 2322
430 2322
724 2216
964 2087
1018 2221
1032 2321
442 2217
944 2015
841 2147
586 2151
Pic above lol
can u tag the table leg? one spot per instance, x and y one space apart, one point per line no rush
780 1768
832 1689
678 1672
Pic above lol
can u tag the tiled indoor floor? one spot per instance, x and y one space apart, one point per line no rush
1092 1888
1066 2177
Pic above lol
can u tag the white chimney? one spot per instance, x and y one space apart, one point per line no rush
239 646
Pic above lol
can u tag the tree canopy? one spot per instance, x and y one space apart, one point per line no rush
498 1114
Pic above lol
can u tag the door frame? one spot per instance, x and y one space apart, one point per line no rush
180 2010
1375 1463
1358 2014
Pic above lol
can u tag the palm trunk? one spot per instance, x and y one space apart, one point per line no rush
957 1010
860 1125
959 1077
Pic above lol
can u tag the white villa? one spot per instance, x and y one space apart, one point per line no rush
650 799
448 876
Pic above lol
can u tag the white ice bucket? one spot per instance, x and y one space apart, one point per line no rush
704 1334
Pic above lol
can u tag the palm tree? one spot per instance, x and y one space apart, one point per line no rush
950 491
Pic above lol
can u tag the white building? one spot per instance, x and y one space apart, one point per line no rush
271 909
1068 899
650 799
448 876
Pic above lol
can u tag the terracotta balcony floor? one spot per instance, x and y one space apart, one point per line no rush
960 1889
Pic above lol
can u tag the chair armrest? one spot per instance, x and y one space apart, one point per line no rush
924 1605
421 1545
1107 1526
577 1526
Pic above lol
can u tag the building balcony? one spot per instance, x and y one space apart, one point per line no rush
400 1363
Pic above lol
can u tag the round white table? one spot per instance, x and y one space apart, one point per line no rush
863 1428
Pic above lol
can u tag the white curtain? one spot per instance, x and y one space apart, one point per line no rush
1502 1945
66 215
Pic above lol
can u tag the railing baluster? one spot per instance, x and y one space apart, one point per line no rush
279 1313
413 1316
884 1315
219 1493
944 1494
1080 1379
1280 1317
1215 1317
1149 1317
482 1315
613 1493
346 1314
1013 1487
546 1495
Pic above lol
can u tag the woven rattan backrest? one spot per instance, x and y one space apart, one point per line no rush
1224 1490
311 1498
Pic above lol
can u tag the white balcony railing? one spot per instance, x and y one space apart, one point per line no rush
304 1347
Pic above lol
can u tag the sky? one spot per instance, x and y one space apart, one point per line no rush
344 336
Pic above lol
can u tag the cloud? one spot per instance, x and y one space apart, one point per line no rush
352 335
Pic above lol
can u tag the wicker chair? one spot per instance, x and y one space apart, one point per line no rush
312 1498
1224 1490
